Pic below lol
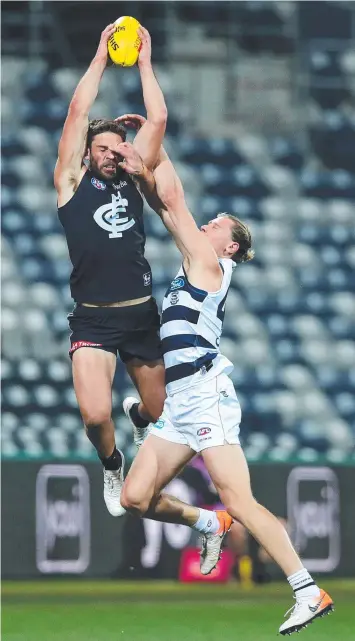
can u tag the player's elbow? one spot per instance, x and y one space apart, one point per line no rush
159 117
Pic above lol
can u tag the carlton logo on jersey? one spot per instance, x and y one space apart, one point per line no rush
108 216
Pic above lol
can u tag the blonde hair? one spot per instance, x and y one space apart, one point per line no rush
241 235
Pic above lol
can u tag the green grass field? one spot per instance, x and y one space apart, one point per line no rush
161 611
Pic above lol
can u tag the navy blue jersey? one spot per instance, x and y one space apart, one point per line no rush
103 224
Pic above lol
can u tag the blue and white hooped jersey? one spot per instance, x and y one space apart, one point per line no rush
191 329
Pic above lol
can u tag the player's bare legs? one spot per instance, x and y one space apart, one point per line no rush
229 472
230 475
149 379
156 464
93 372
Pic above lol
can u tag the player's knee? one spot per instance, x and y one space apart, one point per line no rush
240 509
134 501
96 417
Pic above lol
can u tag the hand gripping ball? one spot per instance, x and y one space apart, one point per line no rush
124 44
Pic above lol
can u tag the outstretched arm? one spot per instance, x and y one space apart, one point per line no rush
164 193
150 136
72 143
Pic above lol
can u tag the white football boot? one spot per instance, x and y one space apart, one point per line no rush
139 433
305 611
113 483
212 543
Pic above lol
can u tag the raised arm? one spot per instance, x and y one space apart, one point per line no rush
150 136
137 121
164 193
72 143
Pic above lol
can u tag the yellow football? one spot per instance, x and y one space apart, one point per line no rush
124 44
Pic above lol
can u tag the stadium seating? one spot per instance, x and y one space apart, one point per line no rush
289 326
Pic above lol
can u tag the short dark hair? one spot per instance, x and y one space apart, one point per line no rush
240 234
99 126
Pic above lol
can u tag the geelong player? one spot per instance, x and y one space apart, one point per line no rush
201 412
101 211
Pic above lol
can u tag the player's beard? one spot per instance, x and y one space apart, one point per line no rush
95 169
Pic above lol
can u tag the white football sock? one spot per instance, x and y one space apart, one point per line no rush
207 522
302 584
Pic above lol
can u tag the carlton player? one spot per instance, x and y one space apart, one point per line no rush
101 211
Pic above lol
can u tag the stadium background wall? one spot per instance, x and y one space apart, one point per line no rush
55 521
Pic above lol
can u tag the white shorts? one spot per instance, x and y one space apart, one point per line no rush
201 416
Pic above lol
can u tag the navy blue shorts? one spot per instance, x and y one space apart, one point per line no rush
131 332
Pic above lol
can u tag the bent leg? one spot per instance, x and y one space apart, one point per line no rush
229 471
149 379
156 464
